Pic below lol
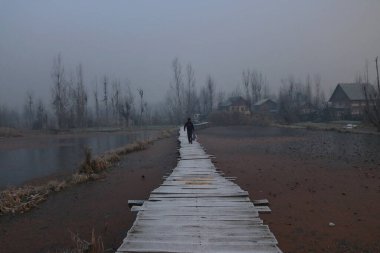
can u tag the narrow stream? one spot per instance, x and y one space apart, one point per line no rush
57 155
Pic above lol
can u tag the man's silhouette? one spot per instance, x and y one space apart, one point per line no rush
189 127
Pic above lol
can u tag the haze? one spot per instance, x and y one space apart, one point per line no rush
137 41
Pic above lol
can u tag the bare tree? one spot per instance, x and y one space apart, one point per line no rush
211 93
96 100
366 76
29 109
317 82
236 92
257 82
142 105
115 100
288 100
204 100
41 116
206 96
9 117
80 98
175 96
59 92
126 105
372 96
246 79
308 91
221 97
105 98
190 92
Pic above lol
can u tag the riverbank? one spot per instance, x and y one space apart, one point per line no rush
11 138
311 179
355 127
101 205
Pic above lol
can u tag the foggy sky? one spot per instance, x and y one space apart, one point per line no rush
137 41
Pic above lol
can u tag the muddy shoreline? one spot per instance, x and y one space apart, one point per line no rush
311 178
101 205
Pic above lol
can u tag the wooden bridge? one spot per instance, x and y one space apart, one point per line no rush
196 209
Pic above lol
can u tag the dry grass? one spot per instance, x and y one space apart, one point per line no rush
79 178
20 200
82 246
91 166
95 245
165 134
9 132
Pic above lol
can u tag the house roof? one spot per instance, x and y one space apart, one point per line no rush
234 101
354 91
263 101
237 100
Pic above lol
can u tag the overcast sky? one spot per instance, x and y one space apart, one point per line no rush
137 40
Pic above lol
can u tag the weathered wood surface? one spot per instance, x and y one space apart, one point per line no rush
196 209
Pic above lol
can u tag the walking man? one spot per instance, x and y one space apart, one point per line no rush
189 127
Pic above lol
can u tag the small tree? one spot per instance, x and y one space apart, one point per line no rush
190 91
115 100
80 96
246 79
60 92
105 98
372 96
126 106
142 105
96 100
29 110
41 116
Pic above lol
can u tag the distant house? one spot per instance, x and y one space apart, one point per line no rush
266 105
235 104
348 100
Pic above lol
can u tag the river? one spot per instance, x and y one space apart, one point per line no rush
28 158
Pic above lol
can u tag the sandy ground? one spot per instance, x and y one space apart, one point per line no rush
100 205
311 178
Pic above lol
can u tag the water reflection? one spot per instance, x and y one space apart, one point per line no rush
58 156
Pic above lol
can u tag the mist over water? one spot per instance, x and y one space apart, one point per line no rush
57 156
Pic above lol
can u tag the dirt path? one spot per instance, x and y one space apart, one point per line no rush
100 205
311 178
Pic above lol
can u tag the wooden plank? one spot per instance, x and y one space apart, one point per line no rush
135 203
195 247
261 202
196 209
263 209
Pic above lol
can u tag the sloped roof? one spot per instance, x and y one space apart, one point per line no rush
237 100
354 91
233 101
263 101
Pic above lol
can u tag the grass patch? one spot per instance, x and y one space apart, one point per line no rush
82 246
20 200
95 245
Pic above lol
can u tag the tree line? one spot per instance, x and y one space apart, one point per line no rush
113 103
116 104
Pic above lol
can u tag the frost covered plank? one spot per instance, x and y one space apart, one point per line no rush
135 203
261 202
196 209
